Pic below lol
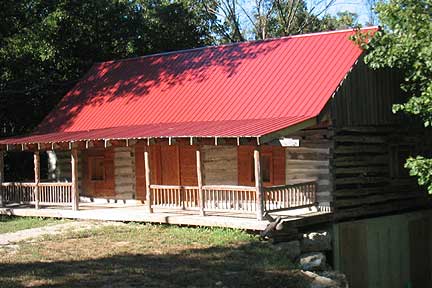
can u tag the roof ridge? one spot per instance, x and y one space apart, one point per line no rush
239 43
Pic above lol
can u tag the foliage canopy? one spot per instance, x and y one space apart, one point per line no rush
405 44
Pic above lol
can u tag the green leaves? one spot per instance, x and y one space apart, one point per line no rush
406 44
46 46
421 167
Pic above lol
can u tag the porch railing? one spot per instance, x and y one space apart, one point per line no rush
285 197
216 198
230 198
170 196
49 193
234 198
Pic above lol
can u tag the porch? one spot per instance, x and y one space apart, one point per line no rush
226 206
126 211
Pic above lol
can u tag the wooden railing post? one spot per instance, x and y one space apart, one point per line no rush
258 185
200 182
74 189
1 177
147 179
36 161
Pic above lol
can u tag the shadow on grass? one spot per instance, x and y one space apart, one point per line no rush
250 265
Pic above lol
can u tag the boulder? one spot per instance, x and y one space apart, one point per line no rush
316 242
315 261
289 249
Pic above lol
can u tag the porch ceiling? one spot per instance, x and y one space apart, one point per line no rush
201 129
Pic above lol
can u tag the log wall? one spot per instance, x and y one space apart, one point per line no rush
59 166
367 166
370 146
311 161
124 173
220 165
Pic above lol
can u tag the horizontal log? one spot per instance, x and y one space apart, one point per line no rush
364 129
380 209
364 160
374 199
360 149
359 170
360 180
360 139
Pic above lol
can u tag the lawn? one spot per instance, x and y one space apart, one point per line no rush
138 255
13 224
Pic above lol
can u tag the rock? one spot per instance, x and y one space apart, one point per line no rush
340 278
318 281
316 242
315 261
289 249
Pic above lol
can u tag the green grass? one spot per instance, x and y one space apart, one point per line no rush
138 255
12 224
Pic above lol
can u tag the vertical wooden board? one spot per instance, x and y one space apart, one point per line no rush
420 261
278 165
169 167
83 166
245 164
188 165
352 250
155 164
139 172
109 183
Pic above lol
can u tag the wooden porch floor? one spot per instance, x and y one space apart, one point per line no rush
137 213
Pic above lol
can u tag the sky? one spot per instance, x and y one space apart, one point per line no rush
355 6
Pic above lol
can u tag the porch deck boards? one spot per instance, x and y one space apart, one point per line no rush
137 213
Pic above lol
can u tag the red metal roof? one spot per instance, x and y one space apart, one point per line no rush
244 89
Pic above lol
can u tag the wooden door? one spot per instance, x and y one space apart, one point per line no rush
170 170
98 173
188 168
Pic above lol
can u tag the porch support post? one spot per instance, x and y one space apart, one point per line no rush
200 182
74 192
36 161
1 177
258 185
147 179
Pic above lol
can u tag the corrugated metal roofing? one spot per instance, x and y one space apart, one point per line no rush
244 89
228 128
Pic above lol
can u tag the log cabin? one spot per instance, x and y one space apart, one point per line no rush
252 128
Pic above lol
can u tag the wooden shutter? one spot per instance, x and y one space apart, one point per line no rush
139 172
188 172
244 165
278 166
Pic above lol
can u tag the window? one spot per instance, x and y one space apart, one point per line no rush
97 168
266 161
398 156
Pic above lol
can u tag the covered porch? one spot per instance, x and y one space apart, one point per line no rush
182 175
235 201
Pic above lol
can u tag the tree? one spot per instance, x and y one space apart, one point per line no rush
261 19
46 46
405 44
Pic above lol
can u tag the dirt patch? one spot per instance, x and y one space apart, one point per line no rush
27 234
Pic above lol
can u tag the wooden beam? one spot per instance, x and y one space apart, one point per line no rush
286 131
200 182
147 179
258 185
75 192
36 161
1 177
